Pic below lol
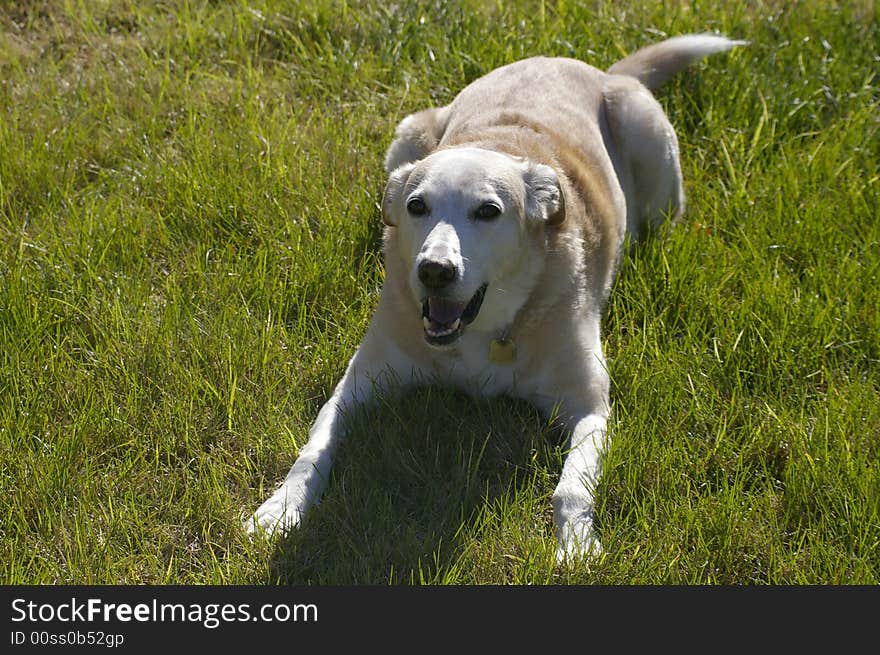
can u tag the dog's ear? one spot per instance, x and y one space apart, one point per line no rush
544 199
394 191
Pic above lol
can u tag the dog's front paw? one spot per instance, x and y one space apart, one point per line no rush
573 514
577 541
277 515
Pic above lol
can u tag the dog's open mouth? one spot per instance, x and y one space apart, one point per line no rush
444 319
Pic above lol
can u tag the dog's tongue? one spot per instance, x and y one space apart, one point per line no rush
444 311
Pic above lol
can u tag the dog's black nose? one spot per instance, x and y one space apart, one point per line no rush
436 274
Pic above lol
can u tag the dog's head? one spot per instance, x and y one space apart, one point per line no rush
469 224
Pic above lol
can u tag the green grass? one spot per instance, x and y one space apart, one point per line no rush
190 252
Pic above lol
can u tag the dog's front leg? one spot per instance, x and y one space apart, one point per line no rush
371 366
573 507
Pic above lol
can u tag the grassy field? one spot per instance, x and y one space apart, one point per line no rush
190 252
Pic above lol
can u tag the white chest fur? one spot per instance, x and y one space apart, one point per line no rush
468 366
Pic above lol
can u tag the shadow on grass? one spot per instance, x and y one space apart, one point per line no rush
408 485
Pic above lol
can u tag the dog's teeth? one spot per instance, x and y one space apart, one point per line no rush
434 329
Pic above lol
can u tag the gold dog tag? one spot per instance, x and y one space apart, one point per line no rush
502 351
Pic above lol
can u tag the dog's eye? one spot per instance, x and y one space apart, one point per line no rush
416 207
487 211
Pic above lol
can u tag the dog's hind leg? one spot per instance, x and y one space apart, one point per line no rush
643 144
644 151
416 137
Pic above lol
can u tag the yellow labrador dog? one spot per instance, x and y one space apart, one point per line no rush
505 214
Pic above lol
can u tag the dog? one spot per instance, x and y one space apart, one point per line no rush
505 216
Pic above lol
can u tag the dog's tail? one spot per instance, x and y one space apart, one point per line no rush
655 64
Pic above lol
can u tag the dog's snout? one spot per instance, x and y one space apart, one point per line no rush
436 274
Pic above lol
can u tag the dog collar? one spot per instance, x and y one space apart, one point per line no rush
502 351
